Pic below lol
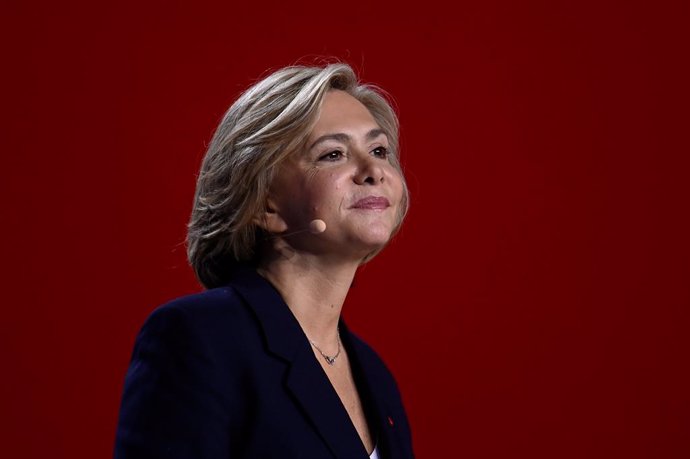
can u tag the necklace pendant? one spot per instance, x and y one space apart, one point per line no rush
329 360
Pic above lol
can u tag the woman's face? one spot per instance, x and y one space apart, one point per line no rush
342 176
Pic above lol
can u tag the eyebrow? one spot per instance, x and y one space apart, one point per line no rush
341 137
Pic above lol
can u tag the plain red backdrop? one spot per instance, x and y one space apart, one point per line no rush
535 304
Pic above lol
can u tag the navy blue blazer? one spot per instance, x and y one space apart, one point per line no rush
229 373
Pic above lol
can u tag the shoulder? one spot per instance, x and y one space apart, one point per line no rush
204 307
209 319
187 368
208 339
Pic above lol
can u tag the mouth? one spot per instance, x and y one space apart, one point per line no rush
372 203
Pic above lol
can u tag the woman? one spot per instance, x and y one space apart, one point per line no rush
300 185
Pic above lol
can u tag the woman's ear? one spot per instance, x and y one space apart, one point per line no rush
269 219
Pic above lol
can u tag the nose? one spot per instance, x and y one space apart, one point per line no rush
370 171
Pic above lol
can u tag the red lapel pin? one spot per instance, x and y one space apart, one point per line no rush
390 421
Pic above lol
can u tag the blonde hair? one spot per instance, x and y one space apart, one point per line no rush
268 121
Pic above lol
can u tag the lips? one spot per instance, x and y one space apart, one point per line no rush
372 203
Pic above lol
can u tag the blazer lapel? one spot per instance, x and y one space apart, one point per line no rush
373 394
315 394
306 380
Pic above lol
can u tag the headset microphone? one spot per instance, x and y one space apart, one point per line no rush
317 226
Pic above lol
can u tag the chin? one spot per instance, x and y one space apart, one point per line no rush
374 240
368 237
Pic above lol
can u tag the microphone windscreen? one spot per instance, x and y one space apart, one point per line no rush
317 226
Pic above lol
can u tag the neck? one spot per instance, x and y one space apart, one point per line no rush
314 290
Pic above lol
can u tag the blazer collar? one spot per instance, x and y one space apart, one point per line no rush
283 334
305 379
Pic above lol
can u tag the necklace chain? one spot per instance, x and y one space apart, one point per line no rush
330 360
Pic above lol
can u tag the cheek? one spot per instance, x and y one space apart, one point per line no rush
331 186
396 184
323 190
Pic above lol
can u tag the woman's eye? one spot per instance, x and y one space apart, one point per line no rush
331 156
380 152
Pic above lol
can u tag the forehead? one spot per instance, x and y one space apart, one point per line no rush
340 112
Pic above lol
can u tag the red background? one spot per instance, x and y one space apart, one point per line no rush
535 304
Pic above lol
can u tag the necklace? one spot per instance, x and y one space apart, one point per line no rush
330 360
